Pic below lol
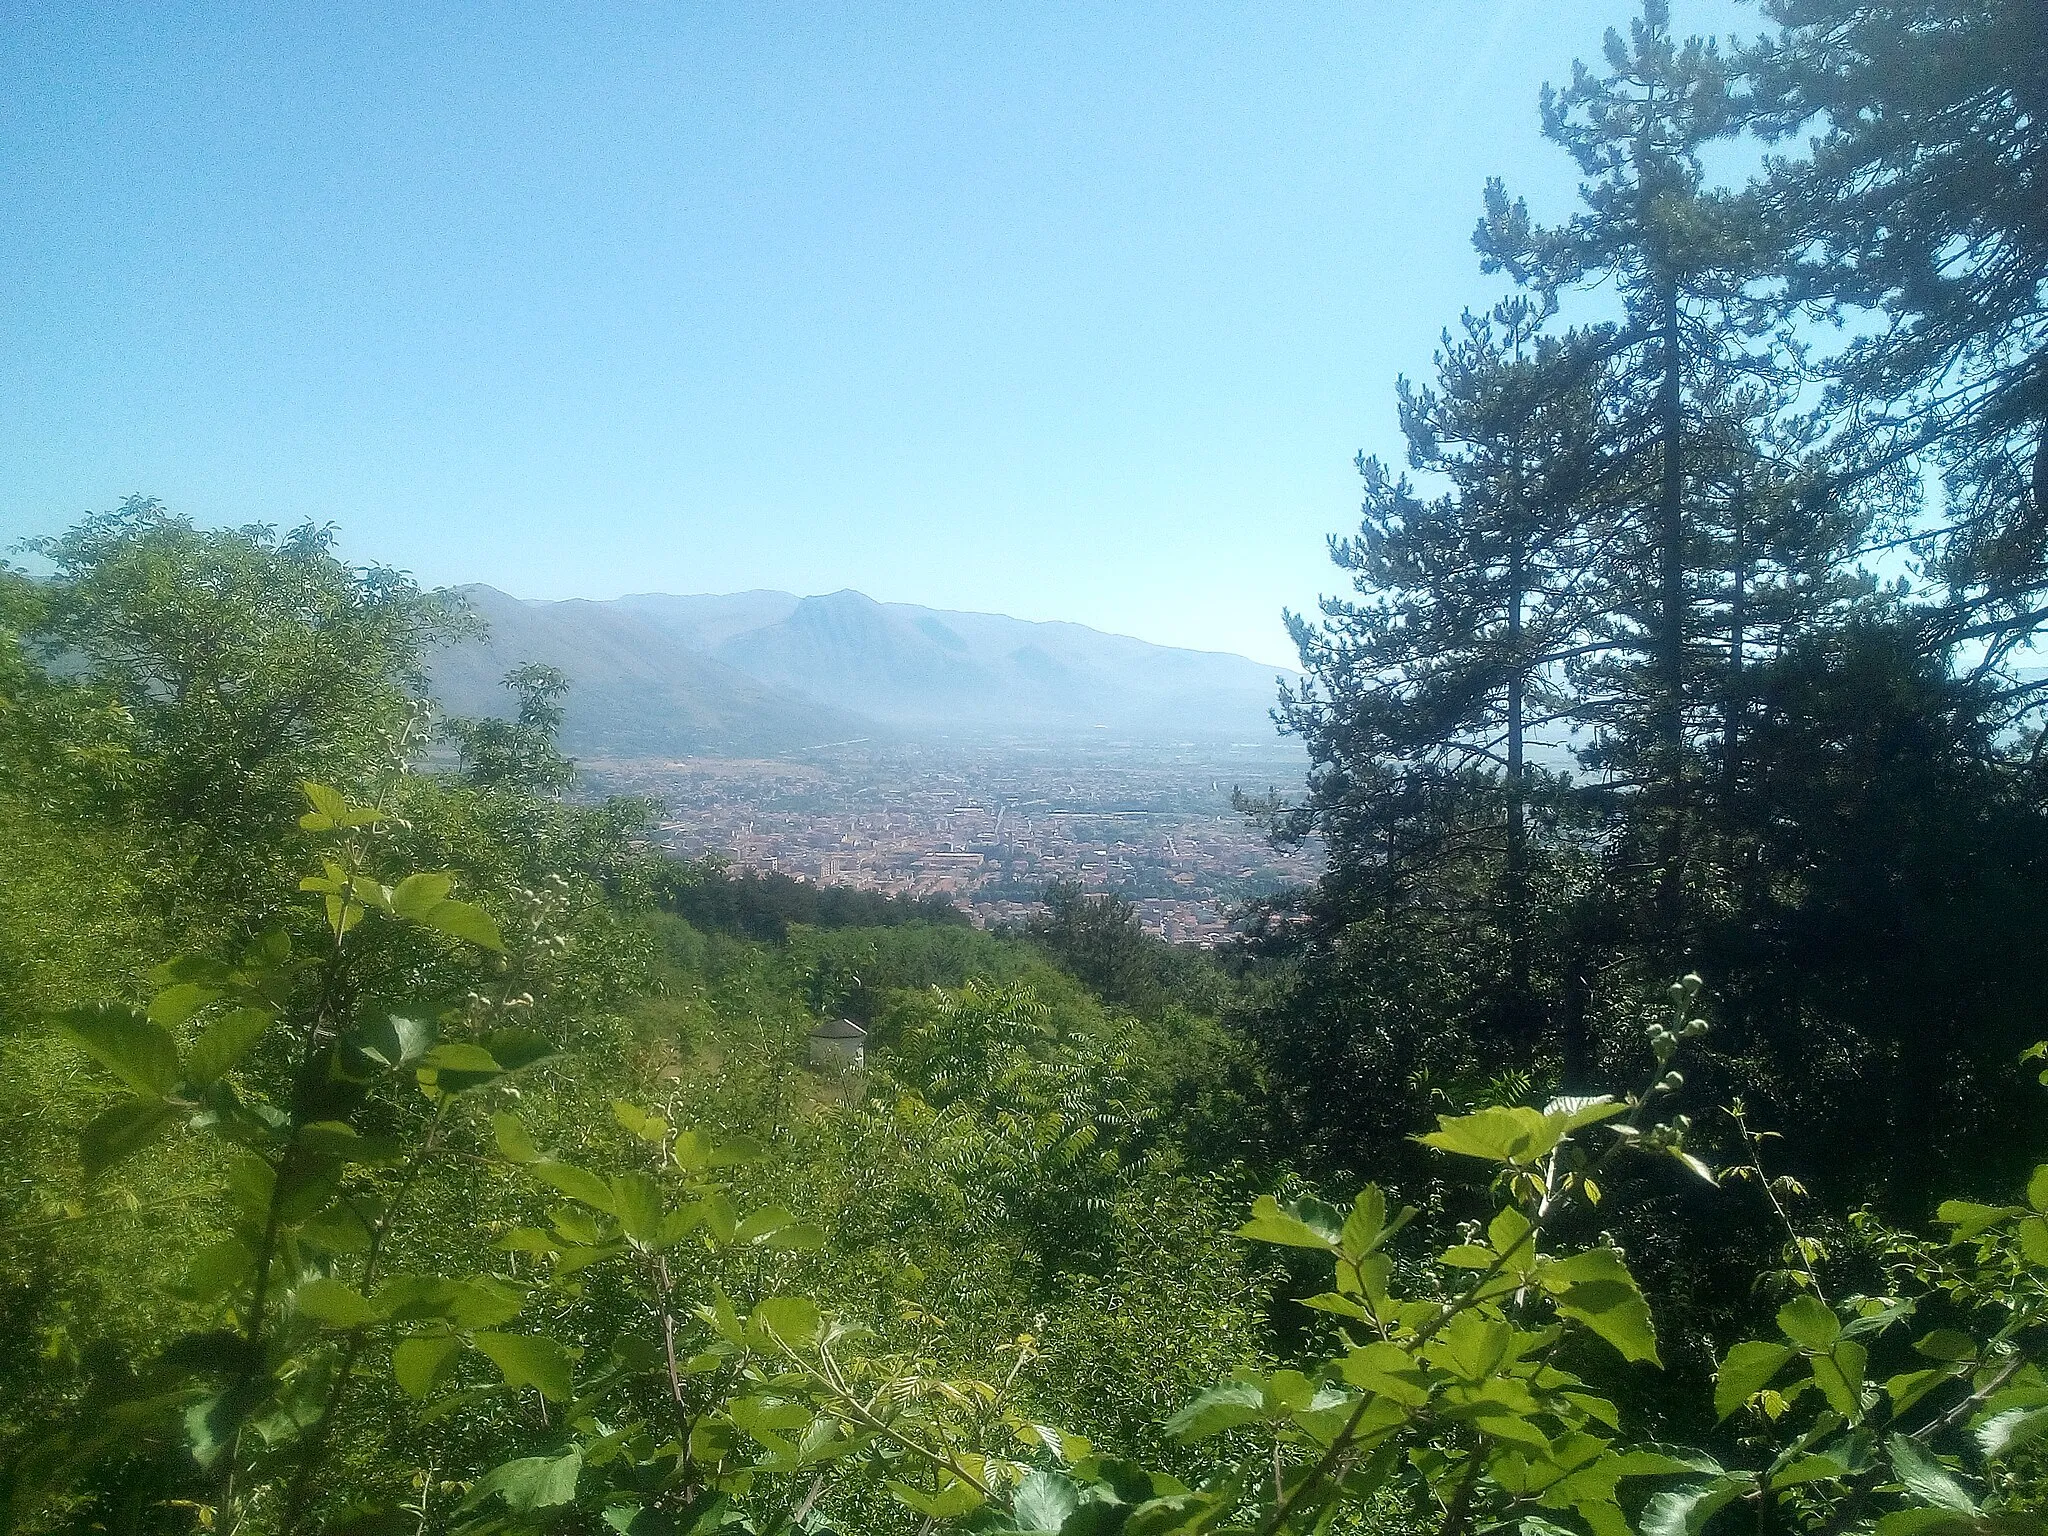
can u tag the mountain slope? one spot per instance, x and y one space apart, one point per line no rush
635 688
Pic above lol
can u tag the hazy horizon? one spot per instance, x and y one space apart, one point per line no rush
1077 317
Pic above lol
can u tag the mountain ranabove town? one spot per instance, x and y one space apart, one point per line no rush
753 674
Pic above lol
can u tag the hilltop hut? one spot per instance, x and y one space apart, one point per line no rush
839 1045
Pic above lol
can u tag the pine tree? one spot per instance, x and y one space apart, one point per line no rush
1923 199
1430 688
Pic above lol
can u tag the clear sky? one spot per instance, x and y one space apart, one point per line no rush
1063 311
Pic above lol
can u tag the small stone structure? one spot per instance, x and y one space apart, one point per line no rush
839 1046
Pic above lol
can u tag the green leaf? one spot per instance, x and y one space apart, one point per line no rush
949 1503
577 1183
419 1363
644 1123
1926 1479
1839 1375
699 1153
335 1305
801 1237
1044 1500
457 1056
515 1144
120 1132
1220 1408
329 810
1271 1224
1745 1371
480 1303
1499 1133
793 1321
416 895
1969 1219
763 1223
1388 1371
2006 1432
530 1483
126 1043
1685 1511
636 1201
2034 1241
225 1042
174 1005
1601 1293
2037 1189
460 920
1808 1321
528 1360
394 1043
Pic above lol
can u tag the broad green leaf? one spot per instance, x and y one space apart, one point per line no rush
1388 1371
393 1042
636 1201
460 920
1745 1371
2034 1241
457 1056
480 1303
530 1483
329 809
699 1153
1271 1224
1926 1479
715 1214
1947 1344
1601 1293
174 1005
2037 1189
1043 1501
515 1049
1578 1113
793 1321
1685 1511
515 1145
1809 1469
419 1363
1969 1219
2006 1432
1499 1133
417 894
762 1223
1839 1375
799 1237
225 1042
120 1132
1471 1346
527 1360
1220 1408
126 1043
950 1502
335 1305
644 1123
1808 1321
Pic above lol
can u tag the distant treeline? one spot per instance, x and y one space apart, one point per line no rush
711 895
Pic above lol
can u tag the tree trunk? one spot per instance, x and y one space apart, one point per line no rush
1517 871
1669 660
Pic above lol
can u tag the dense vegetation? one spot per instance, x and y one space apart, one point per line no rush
395 1144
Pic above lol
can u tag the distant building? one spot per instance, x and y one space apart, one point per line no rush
839 1046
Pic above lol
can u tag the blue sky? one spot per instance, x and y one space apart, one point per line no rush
1065 311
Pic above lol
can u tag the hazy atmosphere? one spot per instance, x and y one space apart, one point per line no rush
1081 316
1048 770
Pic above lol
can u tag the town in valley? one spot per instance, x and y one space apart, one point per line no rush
989 826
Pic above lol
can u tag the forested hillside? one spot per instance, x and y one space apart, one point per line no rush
1636 1130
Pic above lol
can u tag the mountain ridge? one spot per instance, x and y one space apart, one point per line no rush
765 671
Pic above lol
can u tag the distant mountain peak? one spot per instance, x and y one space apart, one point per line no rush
749 670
